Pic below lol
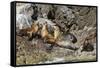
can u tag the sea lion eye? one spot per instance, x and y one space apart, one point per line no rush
71 38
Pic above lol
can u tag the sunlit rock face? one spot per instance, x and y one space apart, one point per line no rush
23 15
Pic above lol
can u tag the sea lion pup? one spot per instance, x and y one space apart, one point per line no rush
44 31
33 30
51 39
55 40
29 31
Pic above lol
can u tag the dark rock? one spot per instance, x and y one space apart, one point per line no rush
88 47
